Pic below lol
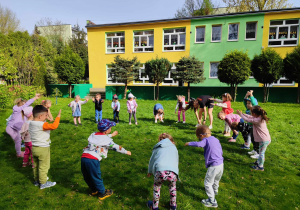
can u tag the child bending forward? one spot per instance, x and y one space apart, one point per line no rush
163 165
213 162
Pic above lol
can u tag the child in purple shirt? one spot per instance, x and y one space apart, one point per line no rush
213 162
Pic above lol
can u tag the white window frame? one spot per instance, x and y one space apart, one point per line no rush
277 33
173 68
140 37
238 28
218 25
144 79
210 69
109 79
196 34
112 38
251 39
277 83
178 38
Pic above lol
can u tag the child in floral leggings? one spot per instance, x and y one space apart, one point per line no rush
163 165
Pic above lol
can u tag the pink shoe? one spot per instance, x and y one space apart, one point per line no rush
21 155
231 140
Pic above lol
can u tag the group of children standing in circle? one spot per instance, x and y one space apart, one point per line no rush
29 124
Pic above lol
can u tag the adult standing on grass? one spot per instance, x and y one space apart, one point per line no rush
16 122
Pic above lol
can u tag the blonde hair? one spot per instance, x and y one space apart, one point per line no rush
98 94
227 96
166 136
45 102
202 130
221 113
18 101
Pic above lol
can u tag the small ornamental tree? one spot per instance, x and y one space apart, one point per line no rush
189 70
267 68
157 69
234 69
69 67
292 67
125 71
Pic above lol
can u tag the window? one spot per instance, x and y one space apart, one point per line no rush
283 33
174 39
233 32
284 81
115 42
169 80
143 41
216 33
143 77
200 34
251 31
213 73
109 79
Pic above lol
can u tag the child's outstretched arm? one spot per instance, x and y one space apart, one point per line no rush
117 148
28 103
253 100
249 118
196 144
54 125
50 117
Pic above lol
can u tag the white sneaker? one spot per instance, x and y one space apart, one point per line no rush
255 156
178 122
210 127
183 122
253 152
162 121
197 125
136 123
47 184
155 121
130 123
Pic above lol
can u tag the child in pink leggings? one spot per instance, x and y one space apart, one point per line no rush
181 108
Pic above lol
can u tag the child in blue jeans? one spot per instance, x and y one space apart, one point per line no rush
98 107
97 149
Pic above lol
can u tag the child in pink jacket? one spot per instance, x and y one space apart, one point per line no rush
131 108
229 119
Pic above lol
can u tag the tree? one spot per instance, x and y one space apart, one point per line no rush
157 69
195 8
8 21
7 69
256 5
189 70
267 68
234 69
292 67
69 67
125 70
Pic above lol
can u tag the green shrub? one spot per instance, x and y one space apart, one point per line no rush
5 97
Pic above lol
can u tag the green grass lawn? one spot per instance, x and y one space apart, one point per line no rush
278 187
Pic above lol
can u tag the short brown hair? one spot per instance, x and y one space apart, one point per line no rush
98 94
227 96
166 136
221 113
39 109
202 130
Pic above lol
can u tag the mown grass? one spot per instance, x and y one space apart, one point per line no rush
277 187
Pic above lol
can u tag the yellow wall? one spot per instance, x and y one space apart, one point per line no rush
98 58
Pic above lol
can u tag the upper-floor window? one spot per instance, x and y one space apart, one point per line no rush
233 32
283 33
251 30
284 82
115 42
143 41
174 39
216 33
213 73
200 34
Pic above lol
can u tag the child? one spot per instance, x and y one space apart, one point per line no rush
163 165
76 109
244 128
16 122
98 107
39 131
97 149
261 133
47 104
181 108
229 119
249 102
213 162
115 105
27 112
158 112
225 103
131 107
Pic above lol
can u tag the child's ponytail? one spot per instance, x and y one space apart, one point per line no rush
257 110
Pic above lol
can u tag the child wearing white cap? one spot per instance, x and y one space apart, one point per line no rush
131 107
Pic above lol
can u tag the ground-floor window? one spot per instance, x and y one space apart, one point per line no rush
213 72
284 81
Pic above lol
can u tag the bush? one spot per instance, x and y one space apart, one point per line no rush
5 97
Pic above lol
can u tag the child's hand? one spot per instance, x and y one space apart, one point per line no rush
251 92
149 175
114 133
87 99
37 96
239 112
59 113
93 98
128 153
212 104
130 111
235 132
212 99
186 144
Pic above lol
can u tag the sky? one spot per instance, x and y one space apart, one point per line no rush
29 12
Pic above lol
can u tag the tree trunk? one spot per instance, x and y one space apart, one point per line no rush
70 90
265 92
157 91
298 96
189 91
125 91
232 91
268 92
235 92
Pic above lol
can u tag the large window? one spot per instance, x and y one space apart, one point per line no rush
174 39
233 32
143 77
168 80
284 81
213 73
251 30
109 79
143 41
115 42
216 33
200 34
283 33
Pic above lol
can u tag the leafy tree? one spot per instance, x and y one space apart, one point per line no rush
267 68
207 8
69 67
7 69
157 69
234 69
8 21
189 70
195 8
125 70
256 5
292 67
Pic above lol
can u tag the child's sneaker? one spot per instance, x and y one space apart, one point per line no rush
130 123
255 156
106 194
136 123
36 183
94 193
244 147
253 152
150 204
178 122
257 168
155 121
208 203
47 184
231 139
183 122
162 121
210 127
197 125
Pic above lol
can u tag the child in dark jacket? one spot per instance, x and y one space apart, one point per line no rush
98 107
